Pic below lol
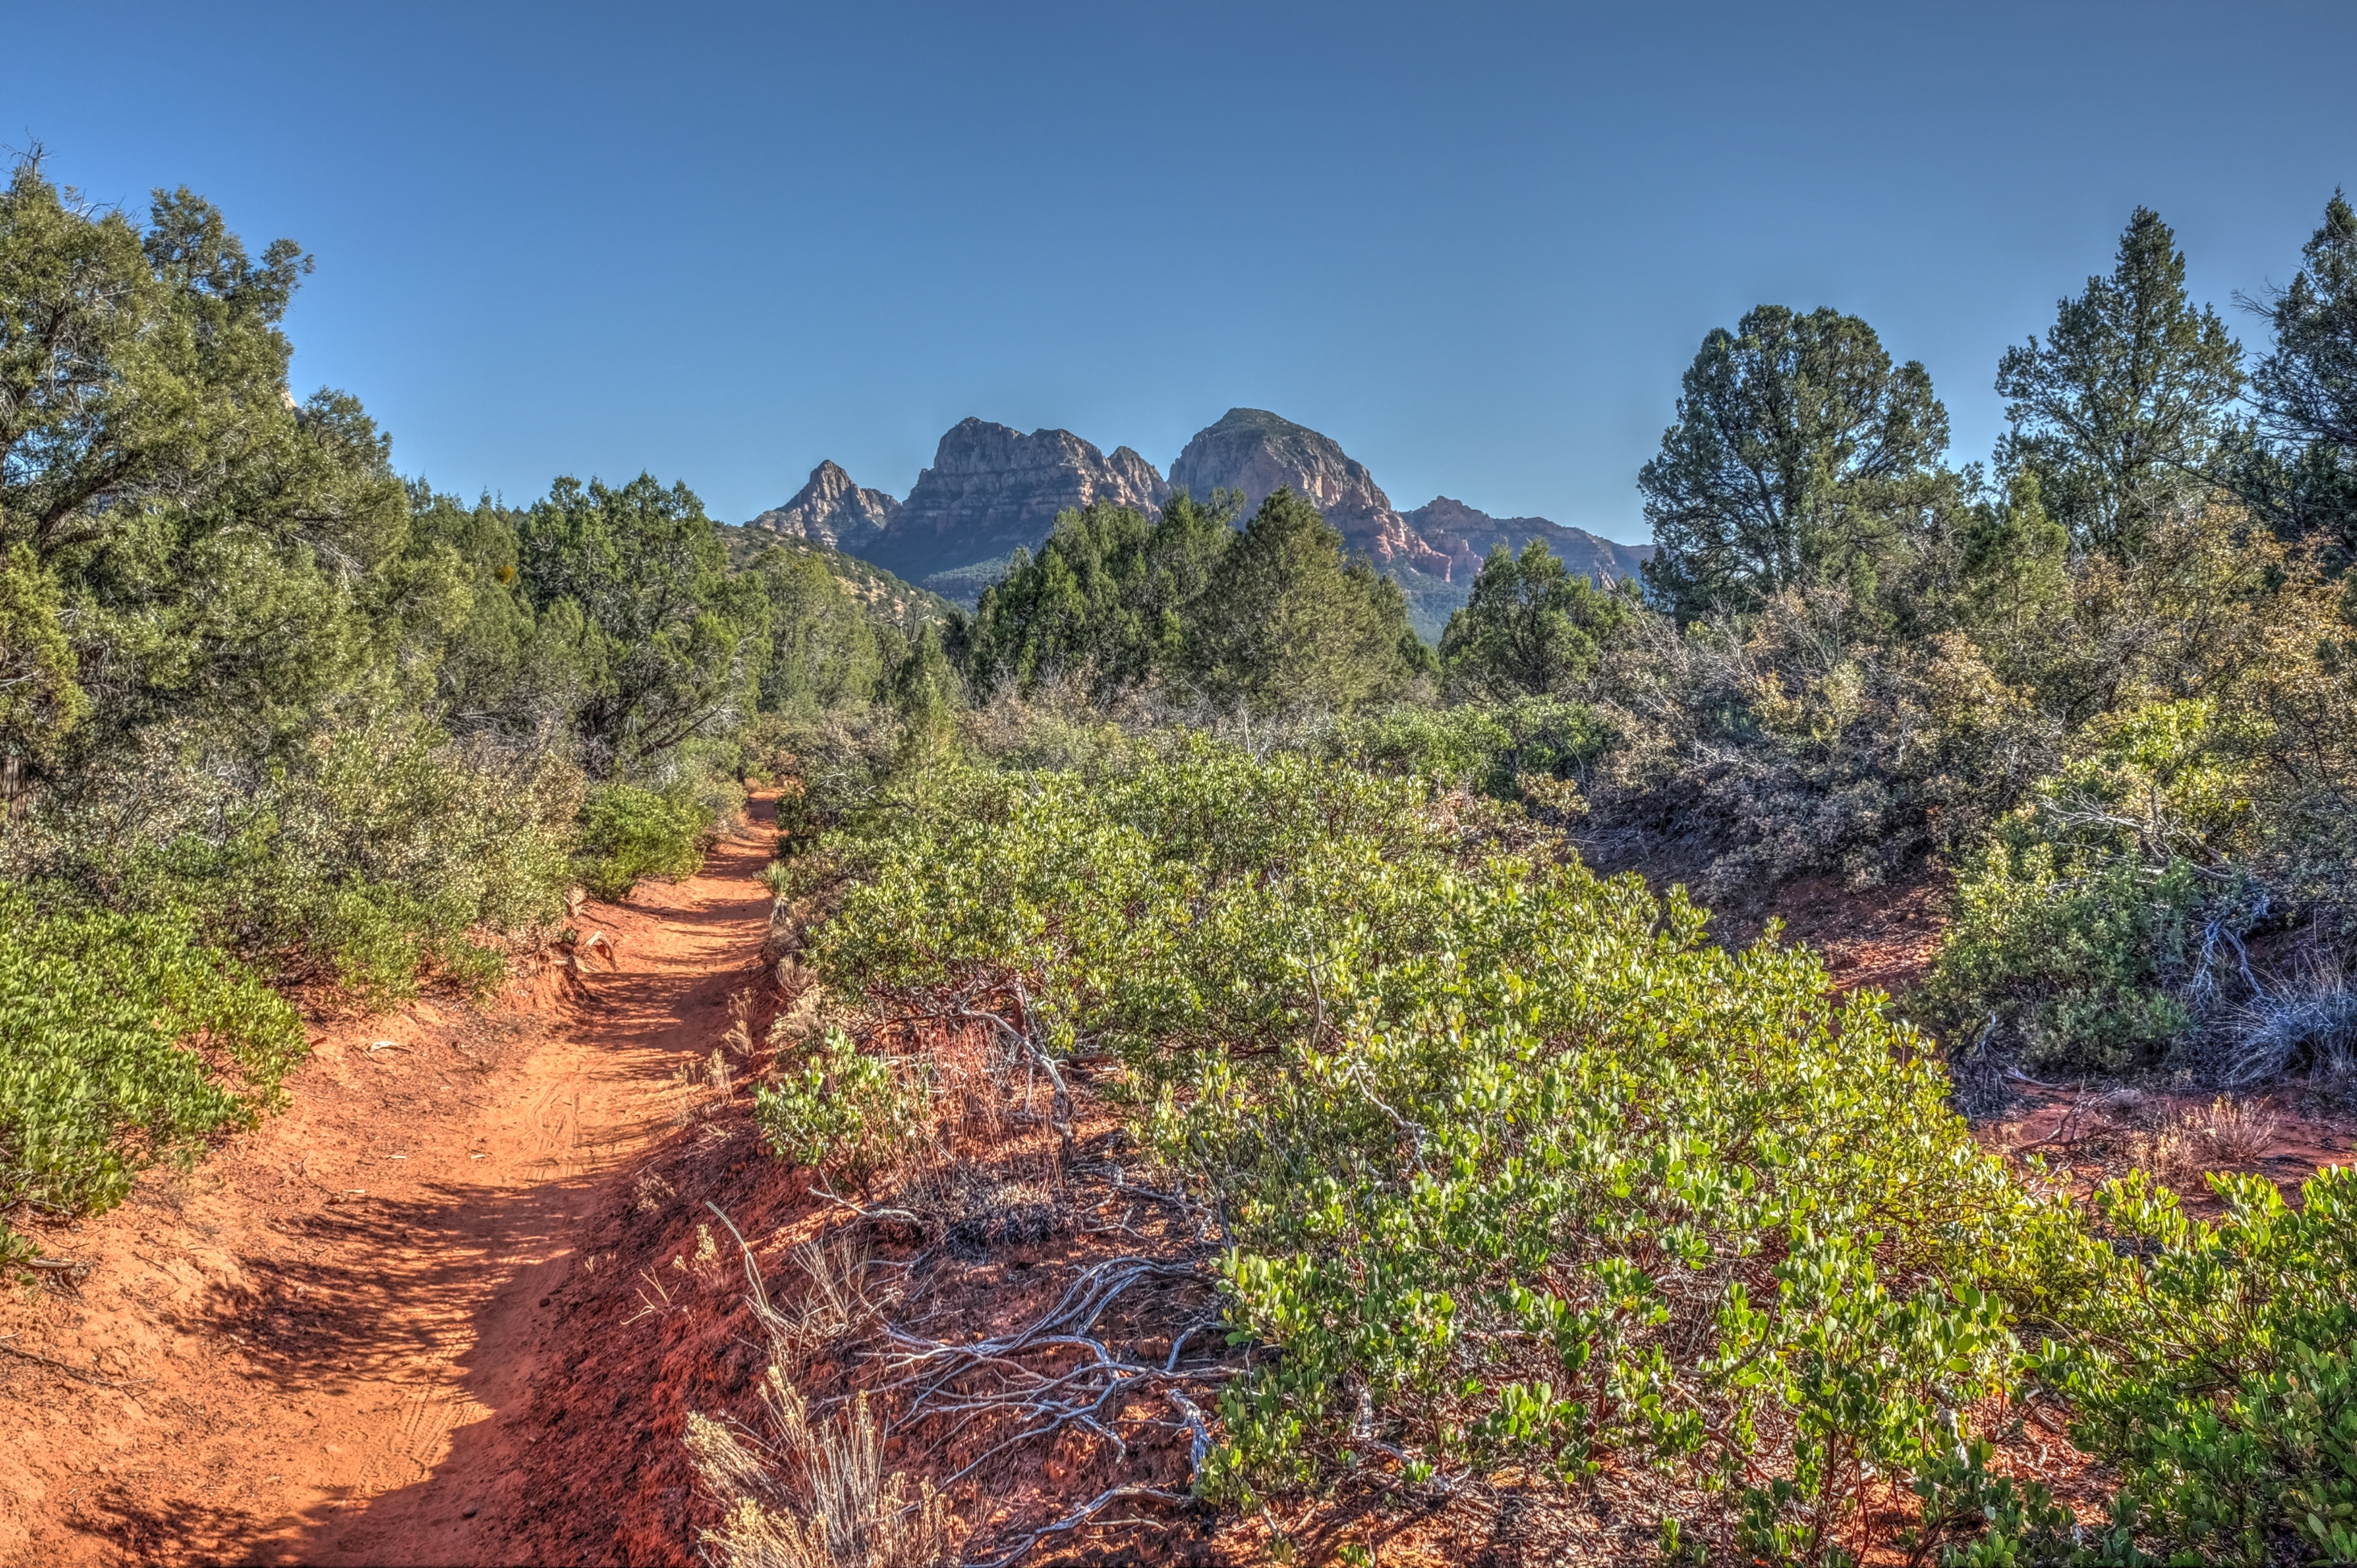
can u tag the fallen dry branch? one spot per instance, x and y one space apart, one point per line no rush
77 1374
1081 1516
1054 1373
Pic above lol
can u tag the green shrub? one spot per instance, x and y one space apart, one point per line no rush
371 856
838 1103
2084 931
2222 1387
124 1040
1516 1167
2072 961
1494 747
628 833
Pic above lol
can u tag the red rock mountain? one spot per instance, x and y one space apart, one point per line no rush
831 510
993 490
1433 552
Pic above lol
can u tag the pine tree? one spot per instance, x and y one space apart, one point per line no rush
1289 620
2122 410
2306 392
1533 626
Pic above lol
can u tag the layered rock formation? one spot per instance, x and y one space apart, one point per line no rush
992 489
1255 451
1466 536
831 510
1433 552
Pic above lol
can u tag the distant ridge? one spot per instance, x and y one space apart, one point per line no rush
992 489
1433 552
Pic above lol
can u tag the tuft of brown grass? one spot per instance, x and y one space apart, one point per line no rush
2227 1134
820 1497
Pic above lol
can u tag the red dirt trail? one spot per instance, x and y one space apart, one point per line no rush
317 1345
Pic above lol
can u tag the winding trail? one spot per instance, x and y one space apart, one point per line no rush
310 1348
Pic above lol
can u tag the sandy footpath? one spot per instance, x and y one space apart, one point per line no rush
313 1347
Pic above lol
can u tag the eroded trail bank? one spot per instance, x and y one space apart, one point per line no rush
316 1346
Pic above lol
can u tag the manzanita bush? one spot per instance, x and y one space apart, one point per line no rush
1519 1168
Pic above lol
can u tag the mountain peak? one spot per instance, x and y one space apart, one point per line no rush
830 510
993 490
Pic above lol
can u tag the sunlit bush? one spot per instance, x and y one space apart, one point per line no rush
628 833
124 1040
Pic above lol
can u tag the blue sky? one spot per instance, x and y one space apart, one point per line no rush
1475 244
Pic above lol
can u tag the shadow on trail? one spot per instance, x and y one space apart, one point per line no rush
421 1317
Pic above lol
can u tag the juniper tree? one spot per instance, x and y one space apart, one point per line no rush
2305 393
2121 409
1289 619
1798 454
1531 627
1109 596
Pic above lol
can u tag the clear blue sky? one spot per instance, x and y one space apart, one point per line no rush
1475 244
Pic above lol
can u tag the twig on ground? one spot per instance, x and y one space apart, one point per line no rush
897 1216
76 1373
1080 1516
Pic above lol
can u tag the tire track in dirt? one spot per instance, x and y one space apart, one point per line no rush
313 1347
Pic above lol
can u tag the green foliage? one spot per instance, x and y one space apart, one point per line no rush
1288 620
1799 455
124 1040
839 1104
925 693
2102 915
197 523
1504 1150
373 856
628 833
1108 600
2125 403
2305 478
2222 1387
825 652
638 580
39 699
1503 748
1531 627
2072 960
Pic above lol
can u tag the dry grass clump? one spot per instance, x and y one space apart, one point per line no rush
819 1497
816 1494
2227 1134
2312 1018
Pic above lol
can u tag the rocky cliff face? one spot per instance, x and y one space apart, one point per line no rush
1433 552
1466 536
993 489
1255 451
831 510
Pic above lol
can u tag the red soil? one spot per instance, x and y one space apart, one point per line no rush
317 1345
456 1304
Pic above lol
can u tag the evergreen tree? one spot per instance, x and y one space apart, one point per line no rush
1109 596
1799 452
2306 392
924 690
1533 626
824 651
210 542
2123 408
1289 619
635 582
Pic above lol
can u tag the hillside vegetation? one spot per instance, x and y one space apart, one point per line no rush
1510 1168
